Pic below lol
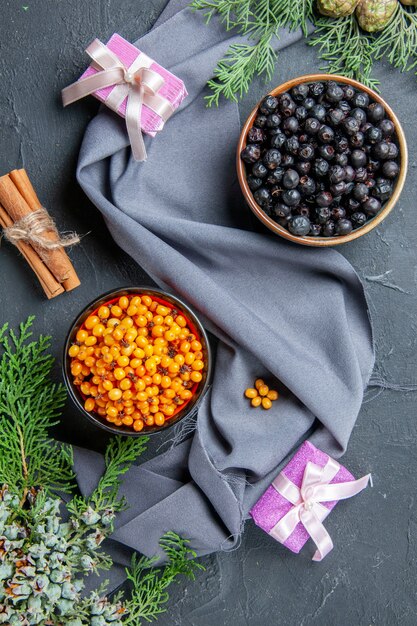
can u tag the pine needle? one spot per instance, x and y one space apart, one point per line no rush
398 41
345 48
342 44
149 583
30 405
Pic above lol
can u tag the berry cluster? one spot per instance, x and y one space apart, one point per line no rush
321 159
261 395
136 362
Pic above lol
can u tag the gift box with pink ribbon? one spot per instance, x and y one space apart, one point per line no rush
133 85
297 502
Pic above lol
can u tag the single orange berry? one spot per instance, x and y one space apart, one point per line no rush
266 403
272 394
263 390
256 401
258 383
138 425
251 393
89 404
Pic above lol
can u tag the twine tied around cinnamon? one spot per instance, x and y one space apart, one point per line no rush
31 229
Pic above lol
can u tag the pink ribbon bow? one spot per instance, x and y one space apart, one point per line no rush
138 83
306 501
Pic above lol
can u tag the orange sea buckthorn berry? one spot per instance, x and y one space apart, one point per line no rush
196 376
119 373
89 404
141 321
168 320
127 420
197 365
85 388
186 394
81 336
146 300
149 420
156 379
122 360
168 410
76 368
112 411
159 419
115 394
91 321
165 382
108 385
89 362
123 302
135 301
103 312
118 333
179 358
73 350
132 310
169 335
158 331
181 321
251 393
148 350
116 311
189 358
266 403
196 346
125 384
272 395
256 401
98 330
258 383
138 425
185 346
173 367
101 411
263 390
91 341
113 322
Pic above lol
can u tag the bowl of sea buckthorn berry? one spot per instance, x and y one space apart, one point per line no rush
136 361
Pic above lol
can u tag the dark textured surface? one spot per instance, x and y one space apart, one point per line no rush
370 577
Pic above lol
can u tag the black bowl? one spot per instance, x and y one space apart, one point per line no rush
74 392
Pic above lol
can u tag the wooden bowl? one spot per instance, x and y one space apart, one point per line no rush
324 241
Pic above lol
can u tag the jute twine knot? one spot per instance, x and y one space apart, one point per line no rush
32 228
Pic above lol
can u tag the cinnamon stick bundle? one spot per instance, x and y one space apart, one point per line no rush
45 254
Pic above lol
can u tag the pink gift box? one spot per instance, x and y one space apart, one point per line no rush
172 90
272 506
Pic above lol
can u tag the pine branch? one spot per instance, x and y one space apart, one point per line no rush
121 452
259 21
345 48
149 583
241 64
398 41
29 405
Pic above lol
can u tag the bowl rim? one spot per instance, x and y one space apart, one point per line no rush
96 419
355 234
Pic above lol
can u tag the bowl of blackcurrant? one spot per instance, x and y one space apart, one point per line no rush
322 160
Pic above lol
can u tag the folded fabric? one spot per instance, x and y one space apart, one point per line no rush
295 316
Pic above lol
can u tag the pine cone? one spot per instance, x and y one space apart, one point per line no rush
374 15
337 8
